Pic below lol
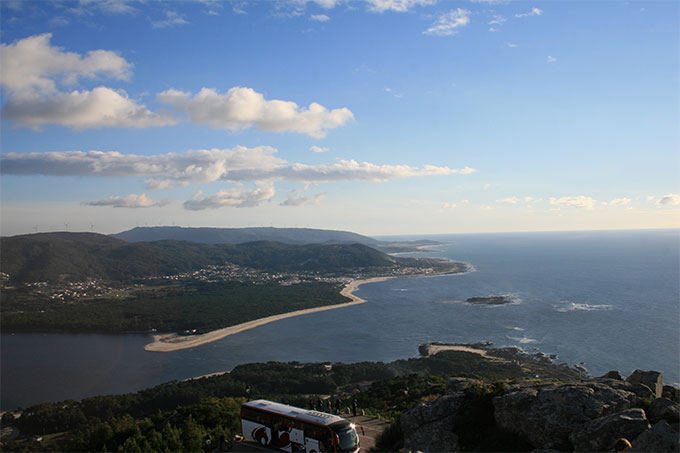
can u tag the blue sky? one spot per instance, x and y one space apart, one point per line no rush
378 116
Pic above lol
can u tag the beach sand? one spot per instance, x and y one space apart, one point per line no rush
175 342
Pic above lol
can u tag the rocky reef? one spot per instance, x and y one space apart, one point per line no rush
583 415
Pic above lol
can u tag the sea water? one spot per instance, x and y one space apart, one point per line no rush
605 300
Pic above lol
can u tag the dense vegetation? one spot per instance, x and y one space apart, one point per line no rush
80 256
241 235
164 307
181 416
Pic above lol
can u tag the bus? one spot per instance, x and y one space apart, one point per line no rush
292 429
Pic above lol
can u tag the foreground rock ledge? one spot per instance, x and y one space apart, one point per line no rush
577 416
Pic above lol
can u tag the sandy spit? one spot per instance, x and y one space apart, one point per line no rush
173 342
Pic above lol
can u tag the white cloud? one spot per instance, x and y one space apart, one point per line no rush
533 12
448 24
31 69
318 149
380 6
575 202
493 29
30 65
449 205
513 45
100 107
551 59
108 6
171 19
241 107
672 199
130 201
295 198
498 19
238 196
516 200
204 166
319 17
620 201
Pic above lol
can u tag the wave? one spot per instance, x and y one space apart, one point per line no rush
573 306
523 340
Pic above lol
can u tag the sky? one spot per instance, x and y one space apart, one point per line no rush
374 116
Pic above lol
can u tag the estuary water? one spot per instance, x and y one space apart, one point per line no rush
609 300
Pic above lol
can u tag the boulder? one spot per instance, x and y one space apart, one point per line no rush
546 415
601 433
428 427
660 438
672 393
458 384
651 379
612 375
663 409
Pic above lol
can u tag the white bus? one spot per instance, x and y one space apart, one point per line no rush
292 429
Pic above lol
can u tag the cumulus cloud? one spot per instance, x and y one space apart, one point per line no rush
575 202
448 23
171 19
319 17
97 108
620 201
31 70
516 200
203 166
513 45
672 199
237 196
30 65
295 198
380 6
533 12
318 149
241 108
130 201
551 59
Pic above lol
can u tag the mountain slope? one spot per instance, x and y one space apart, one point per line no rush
242 235
79 256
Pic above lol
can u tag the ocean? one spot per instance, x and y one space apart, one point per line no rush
607 300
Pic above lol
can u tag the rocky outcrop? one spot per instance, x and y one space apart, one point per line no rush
588 415
601 433
546 415
664 409
428 427
661 438
651 379
612 375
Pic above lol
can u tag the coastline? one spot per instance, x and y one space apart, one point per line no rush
173 342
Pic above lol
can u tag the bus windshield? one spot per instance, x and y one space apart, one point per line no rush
347 435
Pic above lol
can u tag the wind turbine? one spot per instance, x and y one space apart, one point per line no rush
66 225
91 226
36 228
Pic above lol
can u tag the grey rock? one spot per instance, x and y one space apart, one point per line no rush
612 375
672 393
663 409
546 415
651 379
600 434
661 438
458 384
428 427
